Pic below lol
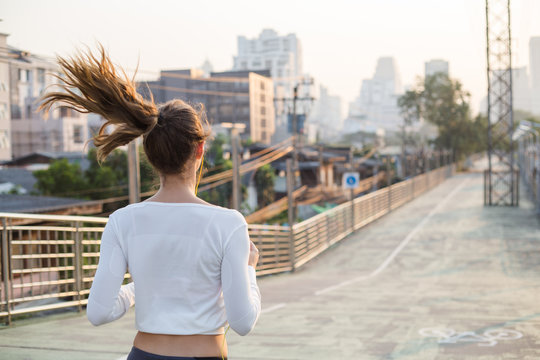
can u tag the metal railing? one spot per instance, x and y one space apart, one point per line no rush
529 166
49 261
316 234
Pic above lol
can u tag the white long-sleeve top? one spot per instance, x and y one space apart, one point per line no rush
189 264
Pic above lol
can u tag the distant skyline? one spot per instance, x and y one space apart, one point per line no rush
341 40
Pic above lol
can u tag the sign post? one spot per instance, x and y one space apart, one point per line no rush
351 181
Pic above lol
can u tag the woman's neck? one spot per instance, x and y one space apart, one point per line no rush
174 188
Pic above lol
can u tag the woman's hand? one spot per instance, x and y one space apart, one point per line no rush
253 254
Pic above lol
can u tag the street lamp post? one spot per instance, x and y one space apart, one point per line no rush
235 130
134 173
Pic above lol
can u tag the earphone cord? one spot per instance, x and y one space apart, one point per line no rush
223 343
200 174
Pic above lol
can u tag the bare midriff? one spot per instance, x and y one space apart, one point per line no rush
181 345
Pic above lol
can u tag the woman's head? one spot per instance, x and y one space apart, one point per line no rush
172 132
172 144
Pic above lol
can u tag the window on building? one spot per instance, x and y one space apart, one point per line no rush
78 134
41 76
268 64
263 135
244 65
263 110
29 111
4 139
256 64
286 44
68 112
263 98
262 85
263 122
23 75
3 111
225 110
15 111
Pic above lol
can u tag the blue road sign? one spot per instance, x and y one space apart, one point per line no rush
351 180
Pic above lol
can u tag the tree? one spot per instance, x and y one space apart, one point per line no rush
444 102
149 177
215 163
264 180
112 173
60 179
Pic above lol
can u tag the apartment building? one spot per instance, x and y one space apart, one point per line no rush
245 97
63 130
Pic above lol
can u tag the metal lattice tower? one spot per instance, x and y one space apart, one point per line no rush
501 178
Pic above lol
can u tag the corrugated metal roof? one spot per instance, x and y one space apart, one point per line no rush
18 176
30 203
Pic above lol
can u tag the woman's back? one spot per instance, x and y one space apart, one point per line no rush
181 257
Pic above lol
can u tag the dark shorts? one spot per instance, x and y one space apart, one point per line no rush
138 354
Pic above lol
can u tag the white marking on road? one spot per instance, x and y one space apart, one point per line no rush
400 247
123 357
272 308
489 338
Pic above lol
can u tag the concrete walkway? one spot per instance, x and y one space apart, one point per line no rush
440 278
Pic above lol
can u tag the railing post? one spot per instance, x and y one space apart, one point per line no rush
389 182
537 163
515 173
6 268
414 161
426 169
452 163
327 218
351 161
78 264
291 211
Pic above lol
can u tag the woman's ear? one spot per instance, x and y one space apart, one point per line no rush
200 150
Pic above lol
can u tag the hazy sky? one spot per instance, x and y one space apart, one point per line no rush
341 39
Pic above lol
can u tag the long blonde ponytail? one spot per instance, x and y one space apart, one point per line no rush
93 85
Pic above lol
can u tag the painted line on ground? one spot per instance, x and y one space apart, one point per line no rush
400 247
273 308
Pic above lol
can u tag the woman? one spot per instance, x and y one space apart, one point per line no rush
192 263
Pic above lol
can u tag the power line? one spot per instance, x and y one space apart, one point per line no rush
228 173
250 167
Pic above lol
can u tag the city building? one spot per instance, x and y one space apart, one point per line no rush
534 66
282 57
5 123
521 91
436 66
62 130
233 96
325 117
376 107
